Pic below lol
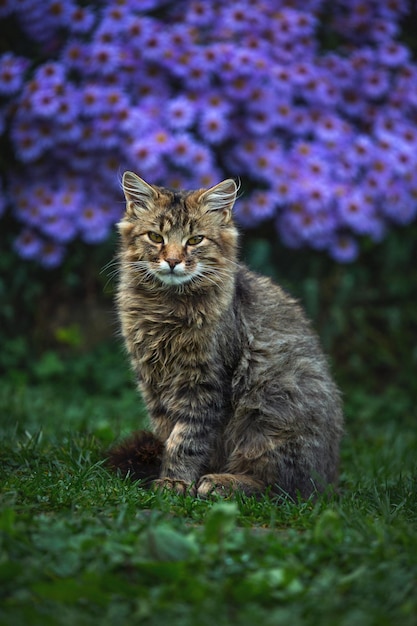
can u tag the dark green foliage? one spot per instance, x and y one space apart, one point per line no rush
365 312
79 545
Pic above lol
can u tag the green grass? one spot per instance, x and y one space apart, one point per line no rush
81 546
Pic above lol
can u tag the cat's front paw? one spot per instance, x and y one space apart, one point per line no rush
215 485
181 487
225 485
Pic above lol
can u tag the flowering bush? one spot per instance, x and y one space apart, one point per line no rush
312 105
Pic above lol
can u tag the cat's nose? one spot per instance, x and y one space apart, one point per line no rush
173 262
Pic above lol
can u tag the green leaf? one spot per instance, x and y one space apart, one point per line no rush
328 529
221 521
166 544
49 366
7 520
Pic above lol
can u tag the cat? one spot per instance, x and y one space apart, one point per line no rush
237 388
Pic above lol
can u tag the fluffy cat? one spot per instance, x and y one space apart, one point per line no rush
237 388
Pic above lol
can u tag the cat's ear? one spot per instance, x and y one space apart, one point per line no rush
221 199
138 194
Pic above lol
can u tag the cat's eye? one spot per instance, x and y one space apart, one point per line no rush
193 241
155 237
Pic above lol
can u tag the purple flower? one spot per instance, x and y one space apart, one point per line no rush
393 54
26 141
344 249
180 37
375 82
12 70
328 127
154 43
105 58
91 100
213 126
283 187
267 163
58 12
51 254
139 122
81 20
261 119
69 200
60 229
281 75
404 159
75 55
215 100
383 30
195 74
352 103
308 228
202 158
287 230
239 87
206 178
115 100
183 150
361 151
180 113
394 10
356 211
175 180
264 205
68 105
315 192
42 22
283 113
51 74
408 134
27 244
143 155
103 128
113 21
200 13
67 134
45 102
237 17
399 205
380 166
92 223
162 141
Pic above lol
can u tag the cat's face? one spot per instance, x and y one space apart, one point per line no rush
173 239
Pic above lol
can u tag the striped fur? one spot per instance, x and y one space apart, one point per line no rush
235 382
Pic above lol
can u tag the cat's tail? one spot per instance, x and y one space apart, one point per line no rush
139 456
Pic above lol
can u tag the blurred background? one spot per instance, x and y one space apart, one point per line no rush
312 105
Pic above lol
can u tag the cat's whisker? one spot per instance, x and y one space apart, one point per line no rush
112 269
215 273
217 267
202 278
113 262
114 272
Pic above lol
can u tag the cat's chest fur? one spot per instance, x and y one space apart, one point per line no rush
171 332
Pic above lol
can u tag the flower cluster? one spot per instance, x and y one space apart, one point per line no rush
312 105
